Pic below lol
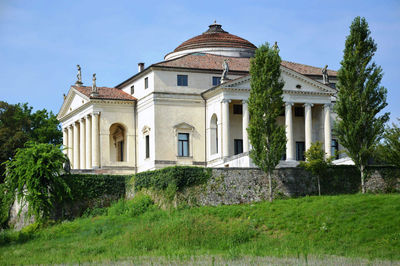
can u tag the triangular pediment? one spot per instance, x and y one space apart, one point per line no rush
184 126
295 83
72 101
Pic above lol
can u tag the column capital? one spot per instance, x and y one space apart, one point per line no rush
289 103
71 126
88 116
244 102
225 100
95 113
82 120
328 106
308 105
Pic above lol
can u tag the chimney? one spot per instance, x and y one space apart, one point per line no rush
140 67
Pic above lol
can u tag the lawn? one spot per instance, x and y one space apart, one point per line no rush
358 226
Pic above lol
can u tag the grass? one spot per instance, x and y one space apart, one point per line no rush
352 226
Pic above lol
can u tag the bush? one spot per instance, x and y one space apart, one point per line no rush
178 176
132 208
35 174
6 201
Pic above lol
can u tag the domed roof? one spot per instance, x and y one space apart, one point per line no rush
216 41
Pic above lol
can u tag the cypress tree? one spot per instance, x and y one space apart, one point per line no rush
265 103
360 97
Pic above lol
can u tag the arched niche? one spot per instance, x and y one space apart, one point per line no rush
118 143
214 134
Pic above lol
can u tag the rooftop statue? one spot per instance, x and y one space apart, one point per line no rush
325 77
225 66
79 76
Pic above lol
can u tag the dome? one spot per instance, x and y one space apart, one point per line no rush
215 41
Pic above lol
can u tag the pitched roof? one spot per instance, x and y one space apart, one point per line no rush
214 62
106 93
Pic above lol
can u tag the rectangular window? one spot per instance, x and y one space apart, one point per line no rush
237 109
183 144
238 146
146 83
216 81
299 111
147 146
182 80
335 148
132 89
300 149
121 151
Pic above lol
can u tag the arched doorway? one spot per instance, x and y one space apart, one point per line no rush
214 134
118 143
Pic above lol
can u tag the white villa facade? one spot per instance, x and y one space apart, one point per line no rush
177 112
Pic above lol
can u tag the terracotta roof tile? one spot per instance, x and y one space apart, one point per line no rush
106 93
214 62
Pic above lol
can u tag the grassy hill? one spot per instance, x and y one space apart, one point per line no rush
354 226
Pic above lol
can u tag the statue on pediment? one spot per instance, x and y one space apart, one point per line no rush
225 71
325 77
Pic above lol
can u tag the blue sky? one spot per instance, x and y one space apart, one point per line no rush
42 41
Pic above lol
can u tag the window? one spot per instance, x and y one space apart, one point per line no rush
237 109
300 148
147 146
132 89
299 111
238 146
146 83
335 148
120 151
216 81
182 80
183 144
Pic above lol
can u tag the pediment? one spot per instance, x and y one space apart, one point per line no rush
72 101
295 83
183 126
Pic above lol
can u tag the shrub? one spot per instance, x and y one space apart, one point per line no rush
180 176
132 208
35 174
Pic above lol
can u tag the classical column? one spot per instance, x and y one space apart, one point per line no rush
245 125
289 132
88 140
76 146
225 127
70 145
95 140
327 129
65 140
308 124
82 145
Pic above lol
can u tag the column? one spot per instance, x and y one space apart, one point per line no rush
95 140
327 129
245 125
308 124
225 127
289 132
82 145
65 140
76 146
70 146
88 140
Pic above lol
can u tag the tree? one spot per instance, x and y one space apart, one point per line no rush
265 103
360 97
391 145
35 174
18 125
316 162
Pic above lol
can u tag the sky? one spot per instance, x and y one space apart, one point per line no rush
41 42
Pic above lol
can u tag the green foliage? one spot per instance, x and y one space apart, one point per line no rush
7 198
360 97
391 147
350 226
18 124
175 177
316 163
138 205
267 138
35 174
